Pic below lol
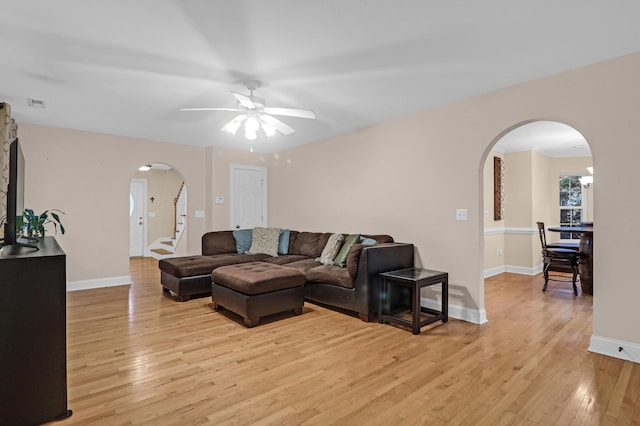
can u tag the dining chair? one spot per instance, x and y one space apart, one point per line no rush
559 257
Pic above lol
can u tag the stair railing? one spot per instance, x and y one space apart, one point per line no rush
179 209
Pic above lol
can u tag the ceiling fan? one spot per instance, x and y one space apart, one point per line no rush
255 115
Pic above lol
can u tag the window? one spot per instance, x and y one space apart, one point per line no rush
573 204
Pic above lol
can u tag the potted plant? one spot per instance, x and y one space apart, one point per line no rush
33 224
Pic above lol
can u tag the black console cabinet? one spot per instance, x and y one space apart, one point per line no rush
33 352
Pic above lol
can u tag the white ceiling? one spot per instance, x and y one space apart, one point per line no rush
547 137
126 67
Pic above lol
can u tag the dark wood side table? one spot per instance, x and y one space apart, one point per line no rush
415 279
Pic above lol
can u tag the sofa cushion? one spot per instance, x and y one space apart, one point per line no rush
265 240
353 258
293 235
189 266
331 275
341 258
304 265
331 249
243 239
285 259
218 242
309 244
283 242
257 277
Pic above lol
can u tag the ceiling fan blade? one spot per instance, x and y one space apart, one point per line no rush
210 109
244 100
277 124
291 112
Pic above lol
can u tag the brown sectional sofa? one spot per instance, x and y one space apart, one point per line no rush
353 288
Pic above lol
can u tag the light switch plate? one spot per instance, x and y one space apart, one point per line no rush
199 213
219 199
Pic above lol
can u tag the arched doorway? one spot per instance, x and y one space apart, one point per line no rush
157 211
539 157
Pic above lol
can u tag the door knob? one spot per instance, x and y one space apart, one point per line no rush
237 226
140 223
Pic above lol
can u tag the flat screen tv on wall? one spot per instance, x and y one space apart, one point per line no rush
14 206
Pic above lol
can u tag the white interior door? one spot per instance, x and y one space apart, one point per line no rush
137 216
249 195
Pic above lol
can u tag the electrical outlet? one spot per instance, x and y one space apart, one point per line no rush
461 214
486 213
499 252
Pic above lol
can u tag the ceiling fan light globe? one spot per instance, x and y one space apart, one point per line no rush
269 130
231 127
250 135
252 125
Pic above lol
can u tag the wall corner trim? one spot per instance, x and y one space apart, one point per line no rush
98 283
611 347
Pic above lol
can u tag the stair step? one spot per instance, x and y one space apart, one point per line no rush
161 251
167 243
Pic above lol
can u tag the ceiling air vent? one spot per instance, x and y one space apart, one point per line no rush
36 103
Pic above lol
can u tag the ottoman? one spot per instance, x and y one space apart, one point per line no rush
257 289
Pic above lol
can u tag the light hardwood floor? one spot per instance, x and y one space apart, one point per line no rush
136 357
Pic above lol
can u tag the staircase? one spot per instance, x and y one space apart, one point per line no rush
165 247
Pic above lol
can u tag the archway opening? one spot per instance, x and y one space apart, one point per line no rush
543 162
157 211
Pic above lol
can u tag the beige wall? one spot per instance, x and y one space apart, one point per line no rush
87 175
163 186
407 177
221 160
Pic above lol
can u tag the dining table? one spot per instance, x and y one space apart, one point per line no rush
585 267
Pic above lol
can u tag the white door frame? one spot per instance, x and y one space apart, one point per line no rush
232 169
143 202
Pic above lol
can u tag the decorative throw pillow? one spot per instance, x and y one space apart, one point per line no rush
331 249
283 244
243 239
341 258
265 241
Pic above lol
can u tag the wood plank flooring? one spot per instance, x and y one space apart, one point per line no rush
136 357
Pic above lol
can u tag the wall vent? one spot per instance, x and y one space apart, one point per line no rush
36 103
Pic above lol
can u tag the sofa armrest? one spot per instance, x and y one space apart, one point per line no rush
374 260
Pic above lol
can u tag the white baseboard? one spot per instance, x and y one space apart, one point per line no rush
611 347
494 271
475 316
98 283
522 270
